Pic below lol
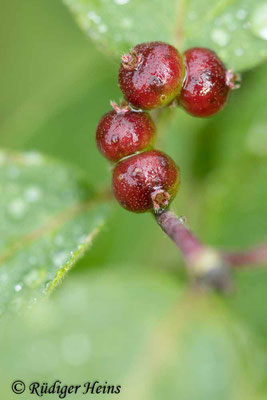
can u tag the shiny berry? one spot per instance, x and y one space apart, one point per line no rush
146 181
207 83
151 75
122 132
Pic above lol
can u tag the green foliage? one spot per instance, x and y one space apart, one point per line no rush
48 219
235 29
143 332
124 314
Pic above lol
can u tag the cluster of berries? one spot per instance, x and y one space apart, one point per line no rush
154 75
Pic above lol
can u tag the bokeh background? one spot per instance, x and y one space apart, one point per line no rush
125 314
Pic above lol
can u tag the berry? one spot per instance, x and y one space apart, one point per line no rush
151 75
146 181
122 132
207 83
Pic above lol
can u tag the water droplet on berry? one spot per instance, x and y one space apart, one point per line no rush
115 139
259 21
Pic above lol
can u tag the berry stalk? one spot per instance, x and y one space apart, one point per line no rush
207 266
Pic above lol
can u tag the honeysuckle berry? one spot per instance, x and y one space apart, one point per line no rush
207 83
151 75
122 132
146 181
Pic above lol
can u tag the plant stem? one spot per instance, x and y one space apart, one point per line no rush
206 265
255 257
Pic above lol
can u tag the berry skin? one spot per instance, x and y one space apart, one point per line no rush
122 132
151 75
207 83
146 181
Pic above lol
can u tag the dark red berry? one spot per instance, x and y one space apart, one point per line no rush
122 132
146 181
207 83
151 75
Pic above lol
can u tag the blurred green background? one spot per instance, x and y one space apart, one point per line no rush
126 303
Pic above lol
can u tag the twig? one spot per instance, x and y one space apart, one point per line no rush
255 256
206 265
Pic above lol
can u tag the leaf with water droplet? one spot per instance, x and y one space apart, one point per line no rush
49 216
237 30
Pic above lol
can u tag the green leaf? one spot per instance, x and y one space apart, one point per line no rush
235 29
49 216
141 331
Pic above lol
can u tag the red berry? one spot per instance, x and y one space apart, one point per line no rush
146 181
207 83
151 75
122 132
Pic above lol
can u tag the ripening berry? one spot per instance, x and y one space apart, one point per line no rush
207 83
146 181
151 75
123 132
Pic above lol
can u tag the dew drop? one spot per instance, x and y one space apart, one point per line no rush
60 258
18 287
17 208
241 14
94 17
247 25
239 52
47 283
182 220
32 194
35 277
33 158
220 37
102 28
121 2
115 139
259 21
126 23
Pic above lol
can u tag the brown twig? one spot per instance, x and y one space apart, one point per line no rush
207 265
